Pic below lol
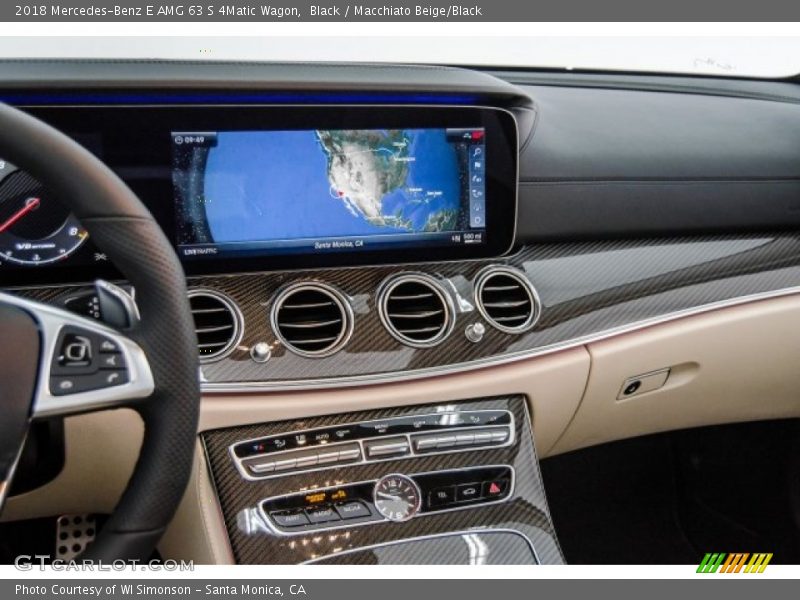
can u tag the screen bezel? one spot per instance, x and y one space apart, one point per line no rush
136 142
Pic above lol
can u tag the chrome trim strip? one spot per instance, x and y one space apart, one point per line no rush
281 533
422 538
493 361
238 462
238 322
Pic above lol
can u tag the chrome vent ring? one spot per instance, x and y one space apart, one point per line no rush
312 319
218 323
507 299
416 310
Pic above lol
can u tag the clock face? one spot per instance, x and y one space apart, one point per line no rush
397 497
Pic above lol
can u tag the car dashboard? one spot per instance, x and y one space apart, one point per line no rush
409 284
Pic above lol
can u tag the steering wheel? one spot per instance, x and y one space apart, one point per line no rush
54 363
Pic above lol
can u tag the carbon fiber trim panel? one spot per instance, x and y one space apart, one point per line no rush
468 548
587 290
526 511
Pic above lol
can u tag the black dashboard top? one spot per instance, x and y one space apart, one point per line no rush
601 157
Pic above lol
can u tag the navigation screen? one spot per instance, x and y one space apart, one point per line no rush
262 192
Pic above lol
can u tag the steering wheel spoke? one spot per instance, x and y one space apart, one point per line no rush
84 365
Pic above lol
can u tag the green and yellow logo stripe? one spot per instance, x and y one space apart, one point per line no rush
714 562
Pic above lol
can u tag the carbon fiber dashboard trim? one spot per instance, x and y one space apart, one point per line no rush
503 553
588 291
525 511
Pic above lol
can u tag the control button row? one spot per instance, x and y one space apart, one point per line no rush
342 511
476 437
443 497
303 459
373 430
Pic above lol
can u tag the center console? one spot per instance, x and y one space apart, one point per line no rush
415 485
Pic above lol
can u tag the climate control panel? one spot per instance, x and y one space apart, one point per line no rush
394 497
394 438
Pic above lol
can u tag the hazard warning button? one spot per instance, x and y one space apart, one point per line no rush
494 489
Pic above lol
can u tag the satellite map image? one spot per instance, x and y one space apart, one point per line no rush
327 183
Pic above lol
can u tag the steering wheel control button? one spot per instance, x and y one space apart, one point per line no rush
322 514
352 510
75 353
60 386
112 378
84 361
87 305
108 346
289 518
112 361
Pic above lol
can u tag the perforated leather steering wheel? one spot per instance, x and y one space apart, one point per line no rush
156 361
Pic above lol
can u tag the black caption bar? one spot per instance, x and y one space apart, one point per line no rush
342 589
400 10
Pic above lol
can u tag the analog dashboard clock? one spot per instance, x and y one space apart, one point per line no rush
397 497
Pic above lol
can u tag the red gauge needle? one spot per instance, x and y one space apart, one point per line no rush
31 204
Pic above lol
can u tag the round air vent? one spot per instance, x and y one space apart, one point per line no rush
217 323
416 310
312 319
506 299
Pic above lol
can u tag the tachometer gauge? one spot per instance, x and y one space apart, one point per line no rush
35 229
397 497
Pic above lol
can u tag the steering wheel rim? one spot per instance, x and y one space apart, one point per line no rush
121 226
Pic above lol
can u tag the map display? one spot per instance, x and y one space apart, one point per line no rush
241 187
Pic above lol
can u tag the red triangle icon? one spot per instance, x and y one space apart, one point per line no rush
494 488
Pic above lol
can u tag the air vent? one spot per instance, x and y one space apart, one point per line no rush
312 319
416 310
506 299
217 322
